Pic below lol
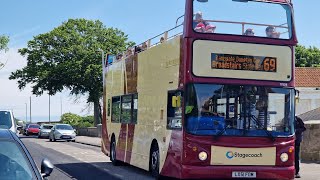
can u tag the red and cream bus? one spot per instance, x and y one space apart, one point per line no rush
214 101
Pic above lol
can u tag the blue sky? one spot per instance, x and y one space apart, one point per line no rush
140 19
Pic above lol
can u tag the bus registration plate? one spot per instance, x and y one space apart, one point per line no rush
243 174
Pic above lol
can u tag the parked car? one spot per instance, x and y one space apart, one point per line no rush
32 129
44 130
62 132
24 129
16 161
7 120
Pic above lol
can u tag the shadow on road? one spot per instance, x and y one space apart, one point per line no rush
27 137
102 170
310 162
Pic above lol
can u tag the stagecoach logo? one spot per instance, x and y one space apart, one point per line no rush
231 155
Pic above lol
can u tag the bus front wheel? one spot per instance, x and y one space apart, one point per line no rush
154 161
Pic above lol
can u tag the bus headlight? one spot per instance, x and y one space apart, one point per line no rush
203 156
284 157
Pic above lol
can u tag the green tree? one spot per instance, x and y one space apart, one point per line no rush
307 57
4 40
89 119
70 118
67 57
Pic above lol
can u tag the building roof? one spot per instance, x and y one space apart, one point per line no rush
311 115
307 77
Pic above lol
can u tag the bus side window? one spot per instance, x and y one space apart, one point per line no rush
115 112
108 108
135 109
126 102
174 110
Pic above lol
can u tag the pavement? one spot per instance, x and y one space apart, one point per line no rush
308 170
92 141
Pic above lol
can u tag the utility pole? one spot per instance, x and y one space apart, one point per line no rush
60 106
30 110
49 108
26 112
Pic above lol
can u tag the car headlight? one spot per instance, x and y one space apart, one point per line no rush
203 156
284 157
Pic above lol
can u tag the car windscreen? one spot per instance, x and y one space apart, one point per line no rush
34 126
5 120
14 163
47 127
64 127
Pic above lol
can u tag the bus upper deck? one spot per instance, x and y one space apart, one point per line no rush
263 22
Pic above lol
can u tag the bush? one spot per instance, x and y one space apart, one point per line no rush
77 121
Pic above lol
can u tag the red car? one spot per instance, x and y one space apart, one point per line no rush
32 129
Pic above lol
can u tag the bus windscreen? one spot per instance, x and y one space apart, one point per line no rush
239 110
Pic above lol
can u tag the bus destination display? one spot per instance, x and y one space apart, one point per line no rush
242 62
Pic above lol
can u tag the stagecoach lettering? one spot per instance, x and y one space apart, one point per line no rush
243 62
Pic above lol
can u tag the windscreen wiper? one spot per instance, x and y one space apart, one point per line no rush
265 130
221 132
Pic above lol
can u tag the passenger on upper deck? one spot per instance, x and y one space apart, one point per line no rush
271 32
200 27
249 32
144 46
161 39
198 19
119 56
210 28
129 52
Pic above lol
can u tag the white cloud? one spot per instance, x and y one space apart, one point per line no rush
12 98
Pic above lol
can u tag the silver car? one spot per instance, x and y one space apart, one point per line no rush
7 120
62 132
44 130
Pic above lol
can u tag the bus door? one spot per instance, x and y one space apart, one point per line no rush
128 118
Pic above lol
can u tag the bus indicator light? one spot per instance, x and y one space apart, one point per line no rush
194 149
291 149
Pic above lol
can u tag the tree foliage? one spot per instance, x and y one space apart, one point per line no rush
68 57
307 57
70 118
77 121
4 40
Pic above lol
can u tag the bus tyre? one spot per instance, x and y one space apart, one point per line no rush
113 153
154 161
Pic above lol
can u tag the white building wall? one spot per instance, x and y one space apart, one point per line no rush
309 100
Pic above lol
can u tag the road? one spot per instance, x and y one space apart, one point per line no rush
78 161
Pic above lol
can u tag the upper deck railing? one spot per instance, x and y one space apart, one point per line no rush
177 30
248 23
154 41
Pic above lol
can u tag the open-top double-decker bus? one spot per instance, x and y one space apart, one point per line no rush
215 101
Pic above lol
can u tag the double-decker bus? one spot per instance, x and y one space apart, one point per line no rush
214 101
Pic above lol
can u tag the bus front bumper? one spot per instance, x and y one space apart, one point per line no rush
225 172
